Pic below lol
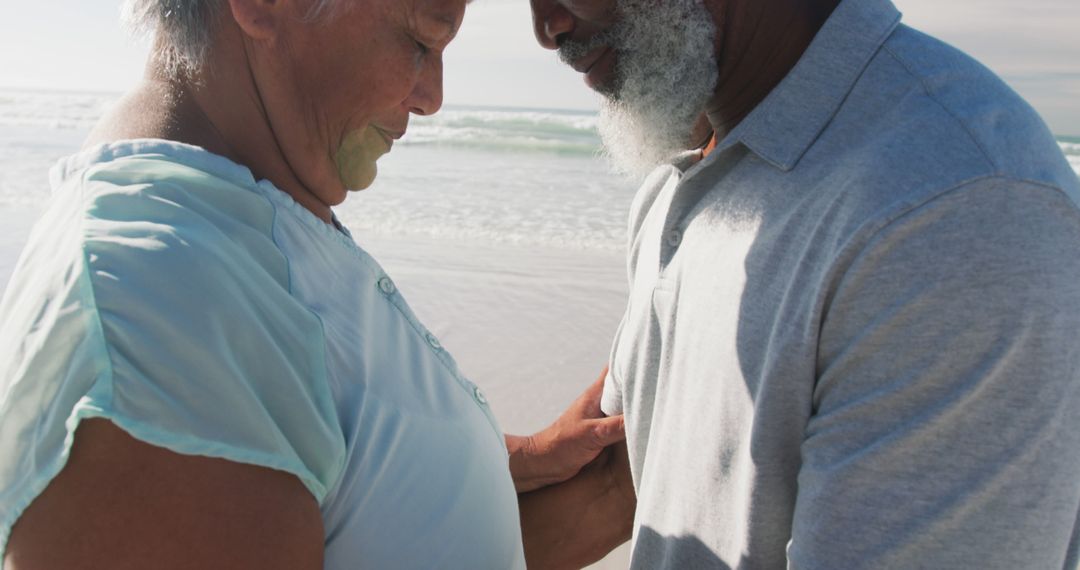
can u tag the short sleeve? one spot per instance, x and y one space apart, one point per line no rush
165 309
944 431
611 398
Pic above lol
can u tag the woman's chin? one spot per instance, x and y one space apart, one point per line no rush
357 156
361 179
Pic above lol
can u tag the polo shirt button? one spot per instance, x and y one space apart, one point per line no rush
386 285
480 397
674 238
434 342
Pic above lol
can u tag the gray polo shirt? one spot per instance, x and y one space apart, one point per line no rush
853 337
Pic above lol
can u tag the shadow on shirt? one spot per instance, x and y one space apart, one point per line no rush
653 550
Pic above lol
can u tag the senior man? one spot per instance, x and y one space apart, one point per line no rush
851 339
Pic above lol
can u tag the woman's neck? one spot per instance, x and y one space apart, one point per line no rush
220 111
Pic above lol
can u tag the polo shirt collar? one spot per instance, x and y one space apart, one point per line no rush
783 127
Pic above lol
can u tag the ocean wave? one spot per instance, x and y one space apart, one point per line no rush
486 129
507 131
1072 153
481 139
53 109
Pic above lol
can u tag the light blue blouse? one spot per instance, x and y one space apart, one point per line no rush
167 290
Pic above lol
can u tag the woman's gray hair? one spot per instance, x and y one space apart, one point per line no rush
183 28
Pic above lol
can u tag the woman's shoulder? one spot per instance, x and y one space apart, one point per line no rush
152 292
147 232
174 207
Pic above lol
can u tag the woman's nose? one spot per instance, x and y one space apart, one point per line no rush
427 95
551 21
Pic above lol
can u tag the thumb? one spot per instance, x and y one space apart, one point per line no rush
609 430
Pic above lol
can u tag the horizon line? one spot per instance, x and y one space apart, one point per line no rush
1068 138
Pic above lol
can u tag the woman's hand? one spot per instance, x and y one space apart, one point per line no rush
559 452
578 522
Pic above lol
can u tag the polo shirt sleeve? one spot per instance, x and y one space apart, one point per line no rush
944 431
157 308
611 398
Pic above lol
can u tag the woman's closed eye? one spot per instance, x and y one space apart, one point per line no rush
422 49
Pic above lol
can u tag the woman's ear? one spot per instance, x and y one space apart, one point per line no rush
259 19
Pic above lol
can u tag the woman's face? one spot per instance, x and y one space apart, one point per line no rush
339 92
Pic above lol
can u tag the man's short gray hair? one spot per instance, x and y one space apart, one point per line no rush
183 28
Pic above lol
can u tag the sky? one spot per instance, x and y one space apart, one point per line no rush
79 45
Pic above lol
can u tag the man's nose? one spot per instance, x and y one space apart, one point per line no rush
551 21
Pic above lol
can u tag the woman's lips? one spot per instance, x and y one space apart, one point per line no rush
388 136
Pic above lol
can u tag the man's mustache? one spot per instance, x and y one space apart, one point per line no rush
572 50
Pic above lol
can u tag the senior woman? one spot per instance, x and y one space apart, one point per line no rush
199 368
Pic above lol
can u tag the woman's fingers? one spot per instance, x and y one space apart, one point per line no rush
588 403
609 431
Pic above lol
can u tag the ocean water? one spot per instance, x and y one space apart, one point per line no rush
1071 146
508 176
495 175
501 176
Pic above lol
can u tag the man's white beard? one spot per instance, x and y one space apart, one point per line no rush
665 74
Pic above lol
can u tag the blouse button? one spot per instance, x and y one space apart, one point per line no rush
386 285
480 397
434 342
